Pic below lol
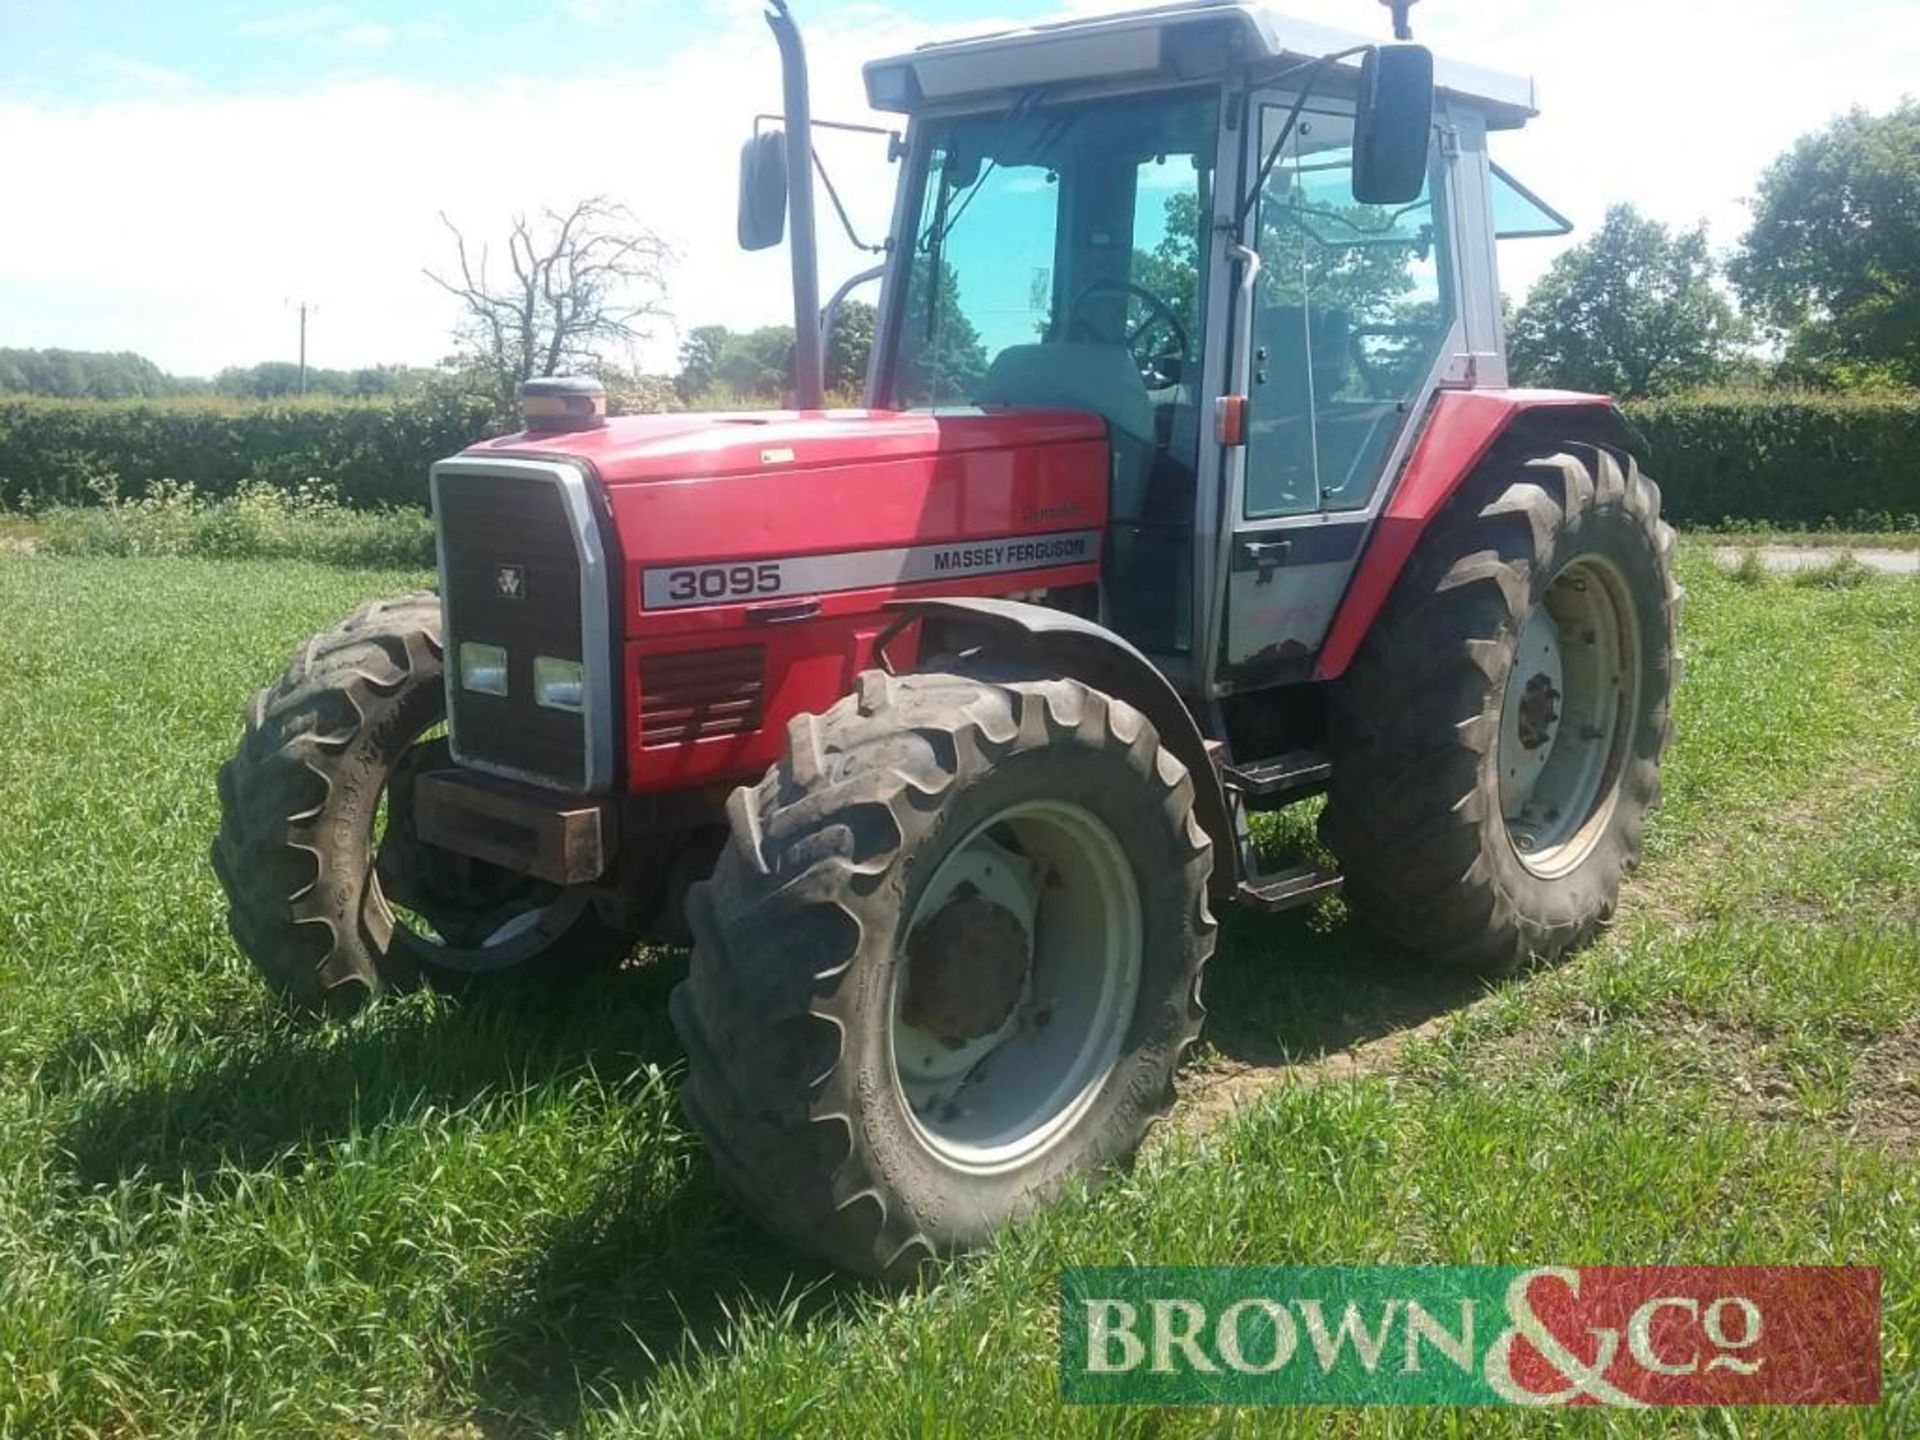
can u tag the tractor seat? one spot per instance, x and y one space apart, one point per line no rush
1077 375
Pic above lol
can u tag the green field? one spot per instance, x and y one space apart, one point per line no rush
490 1219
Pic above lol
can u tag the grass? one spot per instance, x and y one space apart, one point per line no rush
257 522
462 1220
1905 535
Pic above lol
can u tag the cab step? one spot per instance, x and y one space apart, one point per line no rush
1290 775
1288 889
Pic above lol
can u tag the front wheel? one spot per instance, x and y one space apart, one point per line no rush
948 962
332 895
1496 743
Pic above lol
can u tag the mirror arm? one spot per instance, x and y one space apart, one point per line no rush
846 222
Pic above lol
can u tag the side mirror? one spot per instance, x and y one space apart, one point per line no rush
763 191
1392 125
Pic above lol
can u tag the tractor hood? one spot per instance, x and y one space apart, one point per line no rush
846 507
758 553
638 448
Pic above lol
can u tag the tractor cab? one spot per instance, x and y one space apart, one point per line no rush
1253 247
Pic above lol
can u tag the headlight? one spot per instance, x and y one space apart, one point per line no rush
483 668
559 684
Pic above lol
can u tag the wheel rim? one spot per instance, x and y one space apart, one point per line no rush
454 912
1016 984
1568 717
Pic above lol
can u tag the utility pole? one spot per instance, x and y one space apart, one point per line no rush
303 307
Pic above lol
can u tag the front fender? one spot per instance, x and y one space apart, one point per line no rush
1058 643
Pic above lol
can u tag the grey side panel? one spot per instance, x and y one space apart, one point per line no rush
1066 644
1284 588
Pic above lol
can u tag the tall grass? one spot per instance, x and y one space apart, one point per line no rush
256 522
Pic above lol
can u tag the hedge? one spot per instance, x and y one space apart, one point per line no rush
369 453
1782 459
1793 460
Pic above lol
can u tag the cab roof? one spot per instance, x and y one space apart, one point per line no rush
1196 40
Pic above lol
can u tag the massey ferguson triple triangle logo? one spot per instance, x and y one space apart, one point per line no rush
1623 1336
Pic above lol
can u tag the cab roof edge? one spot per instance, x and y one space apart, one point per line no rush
1133 44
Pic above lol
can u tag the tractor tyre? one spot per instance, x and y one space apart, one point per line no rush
1496 742
949 961
331 894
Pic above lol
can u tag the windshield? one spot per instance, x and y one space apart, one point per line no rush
1073 230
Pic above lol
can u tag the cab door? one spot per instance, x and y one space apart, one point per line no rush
1354 315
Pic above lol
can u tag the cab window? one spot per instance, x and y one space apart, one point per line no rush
1352 308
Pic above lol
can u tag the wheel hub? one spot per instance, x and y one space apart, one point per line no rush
966 968
1568 716
1018 973
1539 712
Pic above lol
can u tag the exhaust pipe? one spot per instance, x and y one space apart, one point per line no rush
809 384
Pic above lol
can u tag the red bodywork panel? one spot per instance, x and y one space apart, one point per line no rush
1461 428
724 490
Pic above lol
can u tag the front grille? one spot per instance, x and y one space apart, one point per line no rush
701 694
510 576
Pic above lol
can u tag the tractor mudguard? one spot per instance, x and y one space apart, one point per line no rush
1059 643
1463 426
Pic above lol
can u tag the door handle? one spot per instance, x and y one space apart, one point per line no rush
1267 556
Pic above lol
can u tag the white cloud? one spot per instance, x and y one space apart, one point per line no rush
366 35
140 75
295 22
179 224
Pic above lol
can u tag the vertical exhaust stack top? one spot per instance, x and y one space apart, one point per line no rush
809 385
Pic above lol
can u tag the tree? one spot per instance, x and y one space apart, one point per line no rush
1171 270
582 283
757 366
276 379
850 346
1831 264
700 355
86 375
1632 311
941 354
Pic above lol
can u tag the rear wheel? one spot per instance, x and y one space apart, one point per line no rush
949 961
1496 742
331 893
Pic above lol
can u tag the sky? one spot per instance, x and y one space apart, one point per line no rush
182 173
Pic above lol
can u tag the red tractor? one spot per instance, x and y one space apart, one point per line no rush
1188 486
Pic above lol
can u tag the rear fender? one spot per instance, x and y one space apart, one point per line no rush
1462 428
1057 643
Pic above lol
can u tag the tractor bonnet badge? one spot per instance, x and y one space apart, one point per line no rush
510 582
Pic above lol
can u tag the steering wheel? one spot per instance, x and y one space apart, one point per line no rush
1159 365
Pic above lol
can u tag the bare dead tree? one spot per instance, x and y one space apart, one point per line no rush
582 283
